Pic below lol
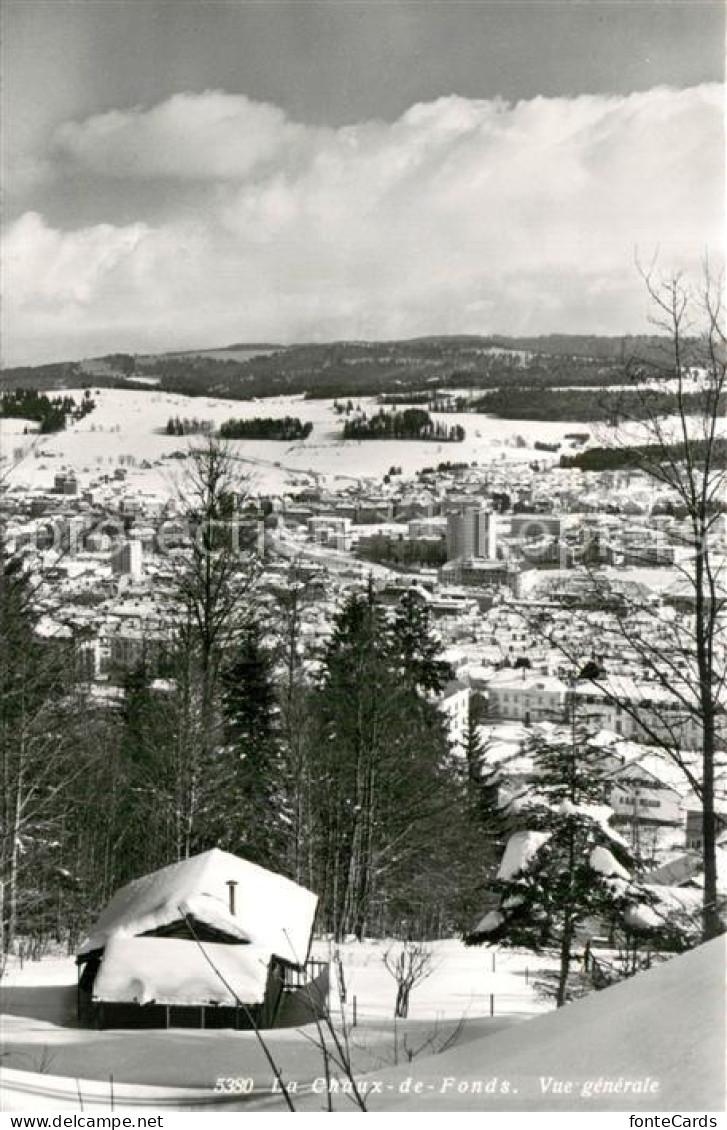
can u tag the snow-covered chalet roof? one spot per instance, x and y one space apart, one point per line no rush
177 972
270 911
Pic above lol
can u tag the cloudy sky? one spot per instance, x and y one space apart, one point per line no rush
189 173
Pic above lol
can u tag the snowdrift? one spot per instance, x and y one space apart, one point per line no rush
662 1032
26 1090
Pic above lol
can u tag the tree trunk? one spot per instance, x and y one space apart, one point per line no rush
13 877
711 924
565 961
711 921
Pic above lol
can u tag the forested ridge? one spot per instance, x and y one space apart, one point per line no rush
357 368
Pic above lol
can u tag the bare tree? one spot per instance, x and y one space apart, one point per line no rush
670 430
218 572
294 697
42 757
687 455
411 965
216 577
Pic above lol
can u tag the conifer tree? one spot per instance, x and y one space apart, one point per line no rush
417 648
484 786
390 804
567 866
245 810
146 791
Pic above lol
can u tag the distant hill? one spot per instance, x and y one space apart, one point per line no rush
60 374
356 368
250 345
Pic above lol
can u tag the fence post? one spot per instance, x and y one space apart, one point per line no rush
355 1017
492 1004
341 979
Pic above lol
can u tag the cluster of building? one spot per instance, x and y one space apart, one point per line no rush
502 556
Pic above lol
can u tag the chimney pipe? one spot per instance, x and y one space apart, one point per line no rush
232 883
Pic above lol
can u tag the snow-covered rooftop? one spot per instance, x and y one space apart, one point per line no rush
270 911
177 972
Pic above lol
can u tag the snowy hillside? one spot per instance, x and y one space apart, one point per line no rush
663 1032
132 424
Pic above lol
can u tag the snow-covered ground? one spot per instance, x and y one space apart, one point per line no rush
131 423
15 426
655 1042
462 980
40 1036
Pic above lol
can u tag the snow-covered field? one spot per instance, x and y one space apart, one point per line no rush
130 423
655 1042
461 982
15 426
222 354
40 1035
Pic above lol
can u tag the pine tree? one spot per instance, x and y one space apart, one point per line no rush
484 785
146 785
354 717
390 809
569 866
245 806
418 649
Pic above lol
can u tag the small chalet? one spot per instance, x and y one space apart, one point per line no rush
212 941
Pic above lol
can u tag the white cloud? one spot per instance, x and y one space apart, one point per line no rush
461 215
206 136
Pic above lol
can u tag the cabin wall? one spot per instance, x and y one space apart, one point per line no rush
123 1014
306 1002
282 1007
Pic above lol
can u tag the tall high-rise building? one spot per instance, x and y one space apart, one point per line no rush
65 482
76 531
472 533
128 559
